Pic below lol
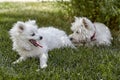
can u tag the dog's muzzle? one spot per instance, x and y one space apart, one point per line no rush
35 43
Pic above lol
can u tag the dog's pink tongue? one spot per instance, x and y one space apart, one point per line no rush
35 43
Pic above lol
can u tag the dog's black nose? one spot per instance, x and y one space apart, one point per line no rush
71 39
41 37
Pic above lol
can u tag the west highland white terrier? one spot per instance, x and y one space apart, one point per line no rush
87 33
29 41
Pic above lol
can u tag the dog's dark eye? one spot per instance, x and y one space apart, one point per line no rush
77 32
33 34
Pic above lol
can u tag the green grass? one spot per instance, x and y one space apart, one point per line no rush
93 63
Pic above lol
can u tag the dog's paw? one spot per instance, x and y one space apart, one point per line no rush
43 66
19 60
37 70
13 48
15 62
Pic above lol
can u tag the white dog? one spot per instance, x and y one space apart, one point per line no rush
87 33
29 41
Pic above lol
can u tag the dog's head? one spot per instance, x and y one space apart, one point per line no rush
82 30
25 31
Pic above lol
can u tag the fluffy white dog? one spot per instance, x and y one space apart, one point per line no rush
29 41
87 33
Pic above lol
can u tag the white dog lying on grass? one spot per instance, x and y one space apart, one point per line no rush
29 41
87 33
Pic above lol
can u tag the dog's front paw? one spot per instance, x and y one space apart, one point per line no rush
19 60
13 48
37 70
43 66
15 62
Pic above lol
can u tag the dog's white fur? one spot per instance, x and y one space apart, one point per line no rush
87 33
22 32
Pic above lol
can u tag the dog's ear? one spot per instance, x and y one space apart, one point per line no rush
76 18
85 23
20 26
33 22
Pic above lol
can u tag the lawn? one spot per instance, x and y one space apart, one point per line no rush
85 63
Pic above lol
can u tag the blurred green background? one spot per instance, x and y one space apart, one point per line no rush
85 63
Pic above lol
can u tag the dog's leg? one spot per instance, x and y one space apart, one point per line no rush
20 60
43 60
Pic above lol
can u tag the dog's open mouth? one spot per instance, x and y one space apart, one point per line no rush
35 43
